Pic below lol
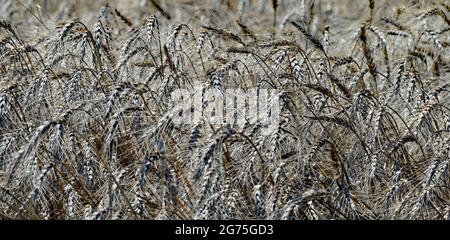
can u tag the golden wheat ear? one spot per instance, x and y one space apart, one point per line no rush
340 113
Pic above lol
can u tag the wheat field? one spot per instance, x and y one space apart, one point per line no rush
88 124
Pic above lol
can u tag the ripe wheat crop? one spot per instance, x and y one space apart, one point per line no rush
89 130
